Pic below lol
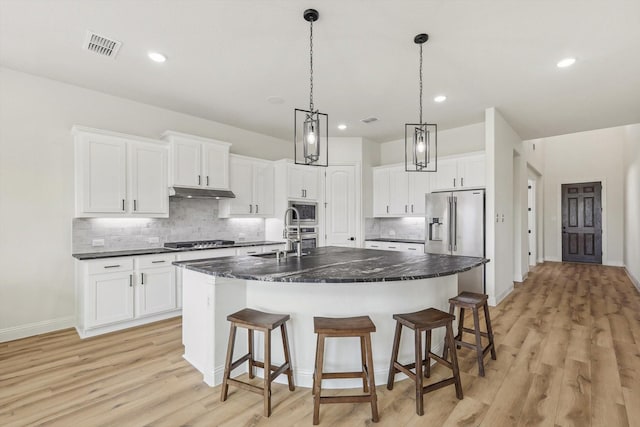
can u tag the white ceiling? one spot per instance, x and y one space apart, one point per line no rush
227 57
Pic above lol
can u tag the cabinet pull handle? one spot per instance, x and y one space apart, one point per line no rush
392 247
157 262
302 192
257 209
454 182
131 280
135 205
142 278
405 209
250 208
412 208
207 180
198 179
462 182
122 204
412 249
387 208
112 266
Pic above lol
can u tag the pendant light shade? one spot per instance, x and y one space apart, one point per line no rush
311 127
421 139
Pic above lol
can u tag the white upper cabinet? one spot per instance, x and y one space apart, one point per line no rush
252 182
119 175
460 173
303 182
397 192
197 162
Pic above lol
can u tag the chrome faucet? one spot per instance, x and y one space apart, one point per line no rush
293 230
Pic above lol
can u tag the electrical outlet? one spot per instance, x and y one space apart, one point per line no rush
153 240
97 242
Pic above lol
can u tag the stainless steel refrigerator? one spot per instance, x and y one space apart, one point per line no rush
455 225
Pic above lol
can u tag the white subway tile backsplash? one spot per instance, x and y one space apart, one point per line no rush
398 228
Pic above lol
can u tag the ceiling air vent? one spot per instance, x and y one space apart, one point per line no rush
369 120
101 45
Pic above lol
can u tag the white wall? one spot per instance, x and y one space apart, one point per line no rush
632 202
501 140
585 157
370 158
36 186
464 139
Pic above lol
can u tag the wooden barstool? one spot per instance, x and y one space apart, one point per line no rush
425 320
361 327
254 320
473 301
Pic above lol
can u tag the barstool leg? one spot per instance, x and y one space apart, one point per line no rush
487 319
419 388
318 379
427 358
365 369
394 356
287 356
267 373
227 364
250 335
454 361
371 379
479 352
460 327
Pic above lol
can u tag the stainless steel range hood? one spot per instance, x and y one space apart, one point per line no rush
200 193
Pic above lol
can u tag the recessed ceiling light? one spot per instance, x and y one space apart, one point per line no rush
440 98
342 126
566 62
157 57
275 100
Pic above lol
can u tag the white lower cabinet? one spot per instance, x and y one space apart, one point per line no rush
395 246
117 293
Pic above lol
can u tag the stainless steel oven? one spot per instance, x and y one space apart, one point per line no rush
309 237
308 212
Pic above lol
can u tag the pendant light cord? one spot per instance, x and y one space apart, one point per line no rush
420 83
311 65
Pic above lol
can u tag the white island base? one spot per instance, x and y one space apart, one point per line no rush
207 300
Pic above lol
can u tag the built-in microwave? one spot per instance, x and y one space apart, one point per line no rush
308 212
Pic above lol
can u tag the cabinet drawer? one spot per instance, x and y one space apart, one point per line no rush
153 261
373 245
110 265
249 250
274 248
204 254
414 248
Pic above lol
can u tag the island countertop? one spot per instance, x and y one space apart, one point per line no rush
335 265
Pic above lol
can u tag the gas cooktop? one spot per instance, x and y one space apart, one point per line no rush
198 244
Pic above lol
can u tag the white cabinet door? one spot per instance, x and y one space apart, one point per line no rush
310 179
104 174
380 192
249 250
471 171
216 166
399 192
263 188
418 188
187 162
295 183
341 206
109 298
447 175
241 183
155 291
149 184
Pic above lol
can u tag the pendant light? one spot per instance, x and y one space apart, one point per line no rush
421 139
311 126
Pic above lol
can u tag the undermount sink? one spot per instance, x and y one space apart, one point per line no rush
290 254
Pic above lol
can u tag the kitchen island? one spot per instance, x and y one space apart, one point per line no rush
328 282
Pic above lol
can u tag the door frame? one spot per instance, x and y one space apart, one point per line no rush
603 201
531 194
359 223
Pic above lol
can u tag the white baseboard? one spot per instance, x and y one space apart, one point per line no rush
540 261
634 280
36 328
553 259
614 263
87 333
494 301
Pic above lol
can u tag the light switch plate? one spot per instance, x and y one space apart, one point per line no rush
97 242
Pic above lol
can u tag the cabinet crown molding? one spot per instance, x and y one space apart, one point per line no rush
77 130
171 134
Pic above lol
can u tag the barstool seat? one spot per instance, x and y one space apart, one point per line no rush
474 301
362 327
425 320
254 320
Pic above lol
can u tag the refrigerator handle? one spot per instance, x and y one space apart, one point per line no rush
455 223
449 246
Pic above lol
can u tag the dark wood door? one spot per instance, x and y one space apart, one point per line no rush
582 222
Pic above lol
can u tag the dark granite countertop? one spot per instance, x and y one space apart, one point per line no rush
385 239
336 265
155 251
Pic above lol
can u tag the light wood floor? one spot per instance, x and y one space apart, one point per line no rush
568 343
